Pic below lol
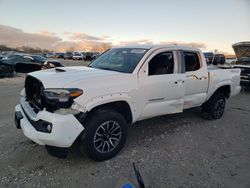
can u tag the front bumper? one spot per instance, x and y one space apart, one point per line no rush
65 128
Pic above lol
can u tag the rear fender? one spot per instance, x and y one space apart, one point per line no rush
218 86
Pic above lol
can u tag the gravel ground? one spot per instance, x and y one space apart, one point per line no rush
180 150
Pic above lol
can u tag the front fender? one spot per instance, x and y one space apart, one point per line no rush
104 99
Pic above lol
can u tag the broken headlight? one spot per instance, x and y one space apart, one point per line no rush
61 98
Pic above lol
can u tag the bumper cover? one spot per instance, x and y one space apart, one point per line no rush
65 128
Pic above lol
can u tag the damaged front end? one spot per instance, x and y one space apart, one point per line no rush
45 115
52 99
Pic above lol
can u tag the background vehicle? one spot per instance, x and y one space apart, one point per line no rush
49 64
68 55
1 56
89 56
6 70
95 55
215 59
230 60
50 55
59 55
78 56
28 63
242 51
95 104
209 56
219 59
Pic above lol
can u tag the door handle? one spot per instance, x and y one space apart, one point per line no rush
179 82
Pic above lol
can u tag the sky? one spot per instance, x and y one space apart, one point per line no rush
63 24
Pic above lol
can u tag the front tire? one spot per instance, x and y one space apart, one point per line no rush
214 108
104 136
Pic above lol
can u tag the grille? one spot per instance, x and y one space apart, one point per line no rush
245 71
34 93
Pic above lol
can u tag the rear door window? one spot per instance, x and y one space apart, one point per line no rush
192 62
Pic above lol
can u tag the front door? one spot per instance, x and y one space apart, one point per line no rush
161 86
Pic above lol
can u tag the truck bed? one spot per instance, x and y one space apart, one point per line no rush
230 77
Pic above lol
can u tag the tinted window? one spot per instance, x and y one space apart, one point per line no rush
13 56
192 62
26 59
161 64
38 58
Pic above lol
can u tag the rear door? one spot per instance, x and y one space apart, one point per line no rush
196 79
161 85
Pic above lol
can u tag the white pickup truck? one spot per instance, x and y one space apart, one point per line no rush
94 105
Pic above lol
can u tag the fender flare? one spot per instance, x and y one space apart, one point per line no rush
109 98
221 84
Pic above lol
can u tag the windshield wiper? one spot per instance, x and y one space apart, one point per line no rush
107 69
104 68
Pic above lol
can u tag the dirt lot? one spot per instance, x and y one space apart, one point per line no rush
181 150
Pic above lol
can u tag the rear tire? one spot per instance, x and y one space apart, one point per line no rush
105 134
214 108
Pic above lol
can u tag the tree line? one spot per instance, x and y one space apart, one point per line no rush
26 49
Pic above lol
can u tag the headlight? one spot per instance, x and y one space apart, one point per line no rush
62 95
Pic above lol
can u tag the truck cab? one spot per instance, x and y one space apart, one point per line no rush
172 80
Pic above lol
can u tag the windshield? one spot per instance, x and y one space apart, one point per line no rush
119 59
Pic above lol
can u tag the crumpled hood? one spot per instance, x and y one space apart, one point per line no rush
52 78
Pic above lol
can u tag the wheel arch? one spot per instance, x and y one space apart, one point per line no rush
225 89
120 106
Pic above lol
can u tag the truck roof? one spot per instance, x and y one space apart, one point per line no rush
176 47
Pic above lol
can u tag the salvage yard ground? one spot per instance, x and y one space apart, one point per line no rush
181 150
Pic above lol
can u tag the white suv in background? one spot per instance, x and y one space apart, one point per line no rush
78 56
